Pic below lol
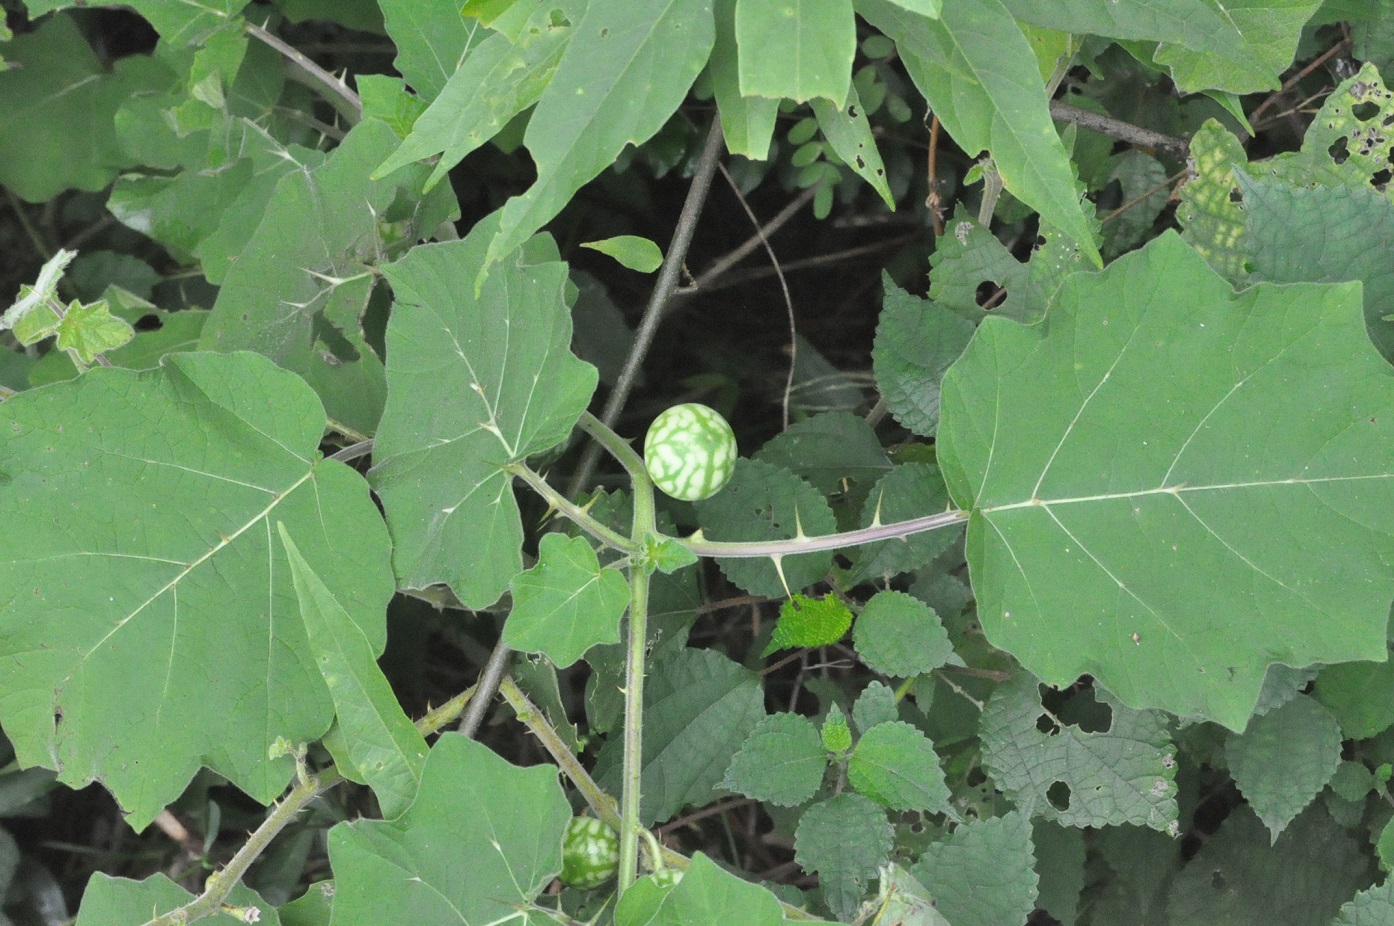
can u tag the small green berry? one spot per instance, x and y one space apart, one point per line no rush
690 452
590 854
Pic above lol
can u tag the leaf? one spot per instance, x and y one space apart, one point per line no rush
1283 759
900 636
1123 774
179 23
155 601
910 490
828 450
1371 907
1156 367
796 49
1209 211
566 603
89 330
1360 695
500 78
979 75
1330 245
764 502
621 77
747 122
983 873
916 342
120 900
1193 24
631 251
845 839
1270 31
809 622
298 291
388 100
1060 858
482 838
1239 880
900 900
312 908
699 708
709 894
849 133
875 705
463 401
432 39
383 745
835 734
1345 145
664 554
781 763
1143 187
894 764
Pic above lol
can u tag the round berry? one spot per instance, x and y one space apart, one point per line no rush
590 854
690 452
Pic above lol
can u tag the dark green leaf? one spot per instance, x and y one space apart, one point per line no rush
984 873
901 636
894 764
845 839
827 450
782 762
911 490
796 49
566 603
916 342
1283 759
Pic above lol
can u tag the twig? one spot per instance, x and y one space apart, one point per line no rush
667 284
1117 128
783 285
485 689
709 276
1296 78
345 102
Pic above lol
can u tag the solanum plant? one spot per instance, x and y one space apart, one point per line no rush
1063 599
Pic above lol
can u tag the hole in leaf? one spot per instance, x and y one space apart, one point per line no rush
1339 150
1235 196
989 295
1380 178
1364 111
1059 795
975 777
1046 725
149 322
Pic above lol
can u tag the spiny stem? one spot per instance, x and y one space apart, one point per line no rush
758 548
338 95
574 512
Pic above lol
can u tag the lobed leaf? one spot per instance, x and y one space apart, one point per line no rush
566 603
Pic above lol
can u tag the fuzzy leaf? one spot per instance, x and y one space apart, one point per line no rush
845 839
901 636
984 873
1284 758
782 762
894 764
809 622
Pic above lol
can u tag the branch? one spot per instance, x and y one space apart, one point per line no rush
1117 128
758 548
334 90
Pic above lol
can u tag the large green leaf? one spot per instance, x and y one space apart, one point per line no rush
623 74
1172 486
482 838
1194 24
473 384
299 289
796 49
979 75
432 38
120 900
1269 30
150 625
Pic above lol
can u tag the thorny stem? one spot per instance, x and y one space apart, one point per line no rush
662 293
757 548
335 91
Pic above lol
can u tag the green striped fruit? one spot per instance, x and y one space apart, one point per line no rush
690 452
590 854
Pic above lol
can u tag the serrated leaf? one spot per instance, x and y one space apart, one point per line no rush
621 77
1156 366
1269 31
1238 879
796 49
764 502
1125 774
458 410
916 342
901 901
835 734
908 491
1283 759
1143 187
171 594
699 708
566 603
809 622
849 133
901 636
782 762
475 814
1209 212
1371 907
895 765
630 251
502 76
875 705
828 450
979 75
91 329
845 840
983 873
120 900
298 290
1330 245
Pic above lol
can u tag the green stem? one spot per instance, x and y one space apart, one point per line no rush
576 513
633 727
877 532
